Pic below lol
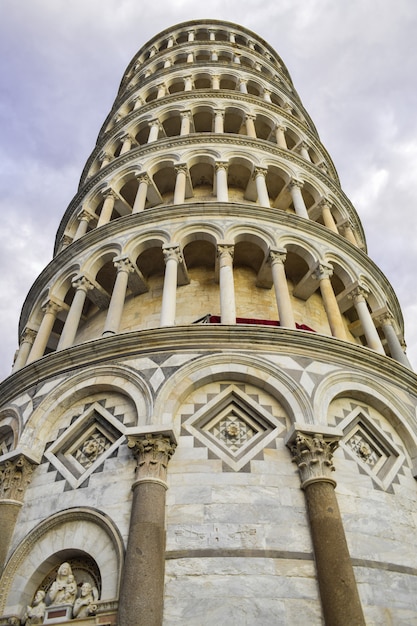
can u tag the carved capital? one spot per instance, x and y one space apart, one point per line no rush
313 455
277 256
15 475
324 203
221 165
152 453
82 283
359 294
225 251
85 215
260 171
172 252
323 270
143 178
123 264
28 336
219 113
181 167
50 306
185 114
66 241
385 319
109 193
104 156
296 183
251 117
154 123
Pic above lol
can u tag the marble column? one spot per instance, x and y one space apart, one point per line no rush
172 256
323 273
327 216
190 57
50 311
214 55
167 63
243 86
185 122
250 126
267 95
127 144
313 455
219 121
359 296
386 321
26 343
124 267
81 285
285 313
171 42
191 35
259 176
280 137
161 91
303 147
84 218
155 127
347 232
227 288
104 159
221 181
188 83
107 208
215 81
180 183
140 199
297 198
141 599
15 475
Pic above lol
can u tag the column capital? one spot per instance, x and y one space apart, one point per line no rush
86 215
123 264
277 255
225 250
172 252
313 454
384 318
219 112
82 283
50 306
109 193
104 156
360 293
345 225
280 126
186 114
243 80
324 203
15 475
221 165
28 335
296 182
181 167
155 122
323 270
250 116
152 452
259 171
142 177
287 107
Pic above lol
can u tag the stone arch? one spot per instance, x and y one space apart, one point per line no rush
10 429
73 531
234 367
375 393
116 379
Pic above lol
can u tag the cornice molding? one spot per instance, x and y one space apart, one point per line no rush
202 338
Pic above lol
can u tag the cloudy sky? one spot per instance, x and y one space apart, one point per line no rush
353 63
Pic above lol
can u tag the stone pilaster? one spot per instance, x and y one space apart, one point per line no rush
142 590
15 475
313 455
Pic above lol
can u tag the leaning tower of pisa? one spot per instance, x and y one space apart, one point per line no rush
211 418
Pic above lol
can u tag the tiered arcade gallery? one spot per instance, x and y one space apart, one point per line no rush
211 415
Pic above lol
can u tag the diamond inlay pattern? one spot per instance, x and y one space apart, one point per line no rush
232 431
92 448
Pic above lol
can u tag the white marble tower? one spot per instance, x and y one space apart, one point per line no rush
211 418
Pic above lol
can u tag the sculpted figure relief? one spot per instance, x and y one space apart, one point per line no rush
35 614
64 589
85 604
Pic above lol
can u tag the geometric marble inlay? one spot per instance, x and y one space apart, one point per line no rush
234 426
371 447
83 447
